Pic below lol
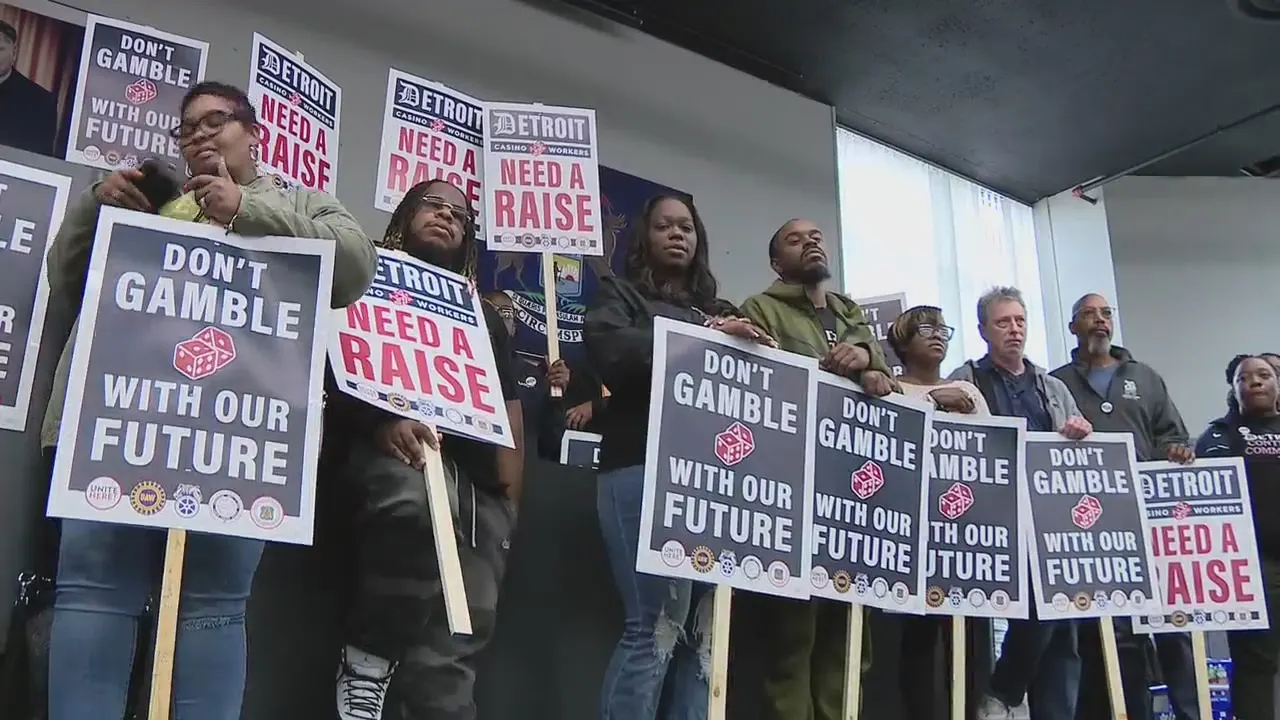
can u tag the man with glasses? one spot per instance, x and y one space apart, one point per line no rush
1038 659
1119 394
804 641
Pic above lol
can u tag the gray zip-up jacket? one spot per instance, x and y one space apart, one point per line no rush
1139 404
1056 396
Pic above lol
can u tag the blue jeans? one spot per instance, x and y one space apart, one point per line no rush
105 575
1042 658
667 633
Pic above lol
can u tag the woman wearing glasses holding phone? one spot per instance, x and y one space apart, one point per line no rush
920 336
106 572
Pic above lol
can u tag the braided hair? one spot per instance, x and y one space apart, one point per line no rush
699 289
401 225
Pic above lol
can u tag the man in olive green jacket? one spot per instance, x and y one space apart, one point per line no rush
805 640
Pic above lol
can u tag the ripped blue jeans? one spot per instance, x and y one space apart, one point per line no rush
105 575
667 633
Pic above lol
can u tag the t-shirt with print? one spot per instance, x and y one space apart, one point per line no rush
827 317
1257 440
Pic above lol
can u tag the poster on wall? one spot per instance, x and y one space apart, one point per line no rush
40 55
132 79
429 132
190 424
542 180
299 111
31 206
881 311
519 275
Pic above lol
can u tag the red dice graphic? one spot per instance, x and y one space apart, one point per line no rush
140 92
1086 512
1182 511
205 354
956 501
735 444
867 480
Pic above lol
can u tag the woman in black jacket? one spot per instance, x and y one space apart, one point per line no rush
1251 430
667 621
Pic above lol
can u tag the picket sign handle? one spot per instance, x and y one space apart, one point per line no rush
553 320
1111 661
957 667
718 695
175 552
451 580
853 666
1200 656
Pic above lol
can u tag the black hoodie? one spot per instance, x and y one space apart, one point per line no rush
1257 440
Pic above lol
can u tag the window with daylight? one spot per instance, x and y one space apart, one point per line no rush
909 227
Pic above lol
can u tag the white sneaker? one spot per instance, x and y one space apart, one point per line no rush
362 685
992 709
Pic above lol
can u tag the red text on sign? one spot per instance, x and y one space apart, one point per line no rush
293 145
411 356
548 200
420 156
1193 575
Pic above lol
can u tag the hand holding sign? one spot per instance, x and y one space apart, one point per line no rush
1076 428
219 196
876 383
403 440
558 374
742 328
1181 454
846 360
952 399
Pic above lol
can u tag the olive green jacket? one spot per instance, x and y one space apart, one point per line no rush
266 209
785 312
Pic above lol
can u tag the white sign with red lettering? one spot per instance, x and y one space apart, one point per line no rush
417 345
1204 546
542 180
429 132
299 110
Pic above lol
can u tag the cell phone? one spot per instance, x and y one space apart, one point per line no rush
159 183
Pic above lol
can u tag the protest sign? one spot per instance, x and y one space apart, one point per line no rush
881 311
299 112
429 132
1088 523
728 477
542 180
580 449
976 552
1203 542
869 551
128 96
31 206
194 394
417 345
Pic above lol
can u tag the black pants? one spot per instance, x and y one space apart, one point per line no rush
925 695
1177 670
1254 657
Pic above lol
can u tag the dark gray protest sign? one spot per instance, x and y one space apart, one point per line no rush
728 468
880 312
194 399
1090 549
132 80
870 471
31 205
580 449
976 556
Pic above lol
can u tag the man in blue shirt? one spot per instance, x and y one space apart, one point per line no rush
1037 657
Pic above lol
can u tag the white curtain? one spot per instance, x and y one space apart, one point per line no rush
909 227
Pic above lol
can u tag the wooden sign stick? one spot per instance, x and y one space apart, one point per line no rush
451 580
853 666
1200 656
167 626
1111 662
553 319
718 695
958 676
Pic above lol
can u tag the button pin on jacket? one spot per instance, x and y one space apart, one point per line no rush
1107 407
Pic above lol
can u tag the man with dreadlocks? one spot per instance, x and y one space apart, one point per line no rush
397 618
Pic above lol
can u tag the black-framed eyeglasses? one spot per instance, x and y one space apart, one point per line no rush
1093 313
942 332
211 123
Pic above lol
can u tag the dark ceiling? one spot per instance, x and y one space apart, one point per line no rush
1028 97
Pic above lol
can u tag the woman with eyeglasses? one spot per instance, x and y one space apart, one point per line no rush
107 572
920 336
